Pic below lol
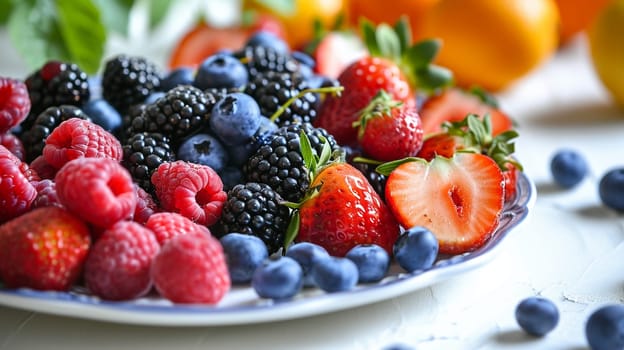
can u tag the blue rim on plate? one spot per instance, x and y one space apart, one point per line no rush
242 305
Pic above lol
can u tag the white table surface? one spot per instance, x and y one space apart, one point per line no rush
569 250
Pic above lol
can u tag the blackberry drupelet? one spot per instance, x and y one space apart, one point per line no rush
127 81
279 162
254 209
143 153
272 90
54 84
34 138
260 59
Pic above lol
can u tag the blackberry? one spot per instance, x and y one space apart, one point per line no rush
254 209
260 59
272 90
127 81
279 162
34 138
143 153
54 84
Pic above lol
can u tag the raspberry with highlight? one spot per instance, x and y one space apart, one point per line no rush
166 225
14 103
98 190
191 269
16 192
77 138
193 190
118 265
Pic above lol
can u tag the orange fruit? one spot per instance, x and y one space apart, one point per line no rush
492 43
577 15
378 11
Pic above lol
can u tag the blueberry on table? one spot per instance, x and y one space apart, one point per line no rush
243 254
611 189
371 260
416 249
235 118
278 278
335 274
307 254
204 149
103 114
604 329
537 316
221 70
568 168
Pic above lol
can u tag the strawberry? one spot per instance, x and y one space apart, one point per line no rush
335 51
43 249
341 209
459 199
388 129
455 104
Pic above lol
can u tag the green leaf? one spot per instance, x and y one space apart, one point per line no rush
306 150
283 7
388 41
369 37
404 32
387 168
158 11
422 53
326 153
6 7
83 32
433 77
293 229
115 14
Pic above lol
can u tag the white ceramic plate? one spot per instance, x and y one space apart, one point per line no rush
242 305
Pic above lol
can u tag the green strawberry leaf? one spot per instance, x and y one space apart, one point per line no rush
292 230
369 36
422 53
387 168
326 153
432 77
307 152
388 42
404 33
115 14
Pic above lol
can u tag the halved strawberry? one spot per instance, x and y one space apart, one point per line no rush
460 199
455 104
335 51
441 144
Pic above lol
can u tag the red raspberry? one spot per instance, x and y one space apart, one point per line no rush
14 103
42 168
145 207
46 194
191 269
166 225
13 144
76 138
98 190
193 190
118 266
16 191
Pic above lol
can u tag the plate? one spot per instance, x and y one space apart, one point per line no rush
242 306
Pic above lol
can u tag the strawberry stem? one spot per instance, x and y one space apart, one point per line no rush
380 106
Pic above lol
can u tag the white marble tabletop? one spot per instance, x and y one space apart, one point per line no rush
569 250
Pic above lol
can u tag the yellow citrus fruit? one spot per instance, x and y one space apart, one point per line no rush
606 40
492 43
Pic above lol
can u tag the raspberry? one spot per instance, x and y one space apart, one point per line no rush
145 206
16 191
118 266
46 194
14 103
13 144
193 190
43 168
191 269
166 225
98 190
75 138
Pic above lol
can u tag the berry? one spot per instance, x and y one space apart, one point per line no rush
239 154
204 149
377 180
235 119
193 190
335 274
335 51
255 209
78 138
97 190
14 103
103 114
14 145
267 39
537 316
46 194
191 269
604 328
16 191
143 153
243 253
231 176
127 81
166 225
42 168
371 260
261 59
221 71
278 278
177 77
145 207
43 249
611 189
416 249
568 168
307 254
118 265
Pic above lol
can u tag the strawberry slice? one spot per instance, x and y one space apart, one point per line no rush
454 104
460 199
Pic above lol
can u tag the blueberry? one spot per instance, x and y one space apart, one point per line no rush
153 97
221 70
568 168
416 249
230 176
371 260
239 154
604 329
335 274
268 39
204 149
537 316
243 253
103 114
307 254
611 189
304 58
177 77
235 118
278 278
